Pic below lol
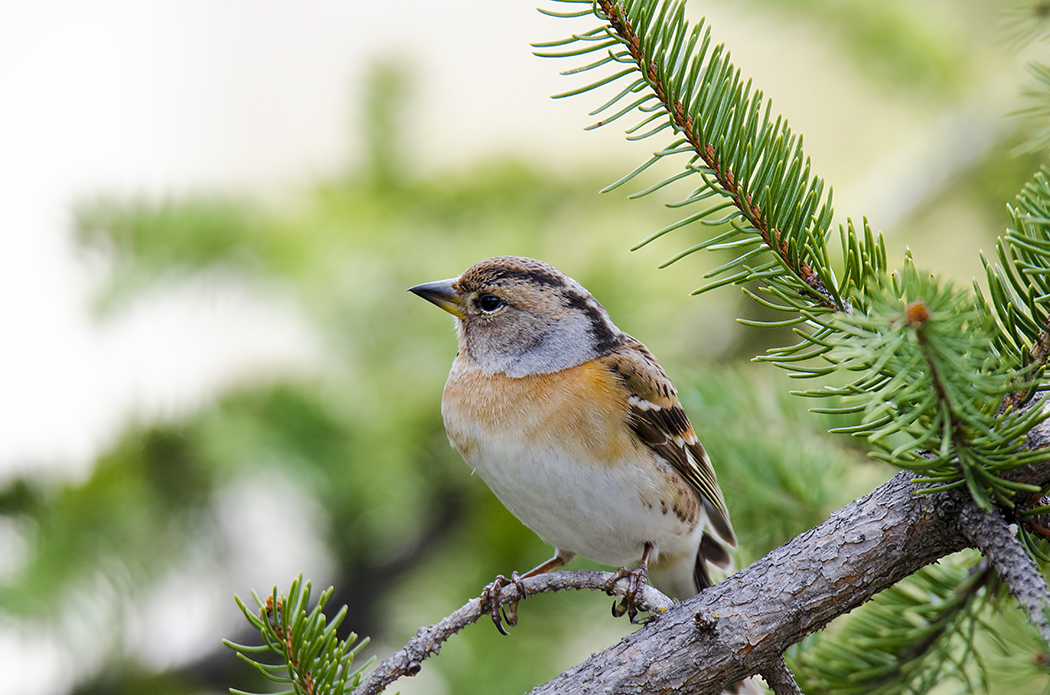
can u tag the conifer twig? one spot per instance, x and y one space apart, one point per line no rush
727 181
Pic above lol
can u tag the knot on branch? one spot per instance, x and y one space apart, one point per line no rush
705 622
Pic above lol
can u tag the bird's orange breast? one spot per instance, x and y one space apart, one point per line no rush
582 407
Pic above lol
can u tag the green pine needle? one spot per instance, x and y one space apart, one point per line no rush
931 386
1019 284
312 658
678 84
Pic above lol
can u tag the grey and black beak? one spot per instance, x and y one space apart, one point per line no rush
443 294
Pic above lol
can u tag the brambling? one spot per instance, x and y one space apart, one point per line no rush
578 431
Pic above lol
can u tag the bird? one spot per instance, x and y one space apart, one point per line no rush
578 431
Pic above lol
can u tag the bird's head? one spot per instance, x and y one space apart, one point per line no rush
521 316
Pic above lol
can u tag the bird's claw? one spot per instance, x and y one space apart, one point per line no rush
490 601
633 599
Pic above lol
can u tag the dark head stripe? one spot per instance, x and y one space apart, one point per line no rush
496 270
605 338
540 276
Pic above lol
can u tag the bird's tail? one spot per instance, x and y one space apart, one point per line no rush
712 551
685 577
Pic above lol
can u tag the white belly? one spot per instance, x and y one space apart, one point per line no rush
607 514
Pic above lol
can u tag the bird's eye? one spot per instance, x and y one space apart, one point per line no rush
489 303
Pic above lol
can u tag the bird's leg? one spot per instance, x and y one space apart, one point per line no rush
636 577
490 594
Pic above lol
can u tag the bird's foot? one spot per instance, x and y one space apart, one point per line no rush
490 601
633 599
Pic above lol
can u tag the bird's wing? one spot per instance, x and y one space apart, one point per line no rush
657 418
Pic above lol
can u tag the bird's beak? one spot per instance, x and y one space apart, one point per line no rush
441 293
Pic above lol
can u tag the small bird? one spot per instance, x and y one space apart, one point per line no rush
578 431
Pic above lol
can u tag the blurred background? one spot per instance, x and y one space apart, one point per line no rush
212 378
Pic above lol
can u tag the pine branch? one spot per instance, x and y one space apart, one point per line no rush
1018 286
932 380
313 660
723 175
1026 22
773 204
1038 110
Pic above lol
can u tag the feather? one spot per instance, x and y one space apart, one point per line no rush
657 418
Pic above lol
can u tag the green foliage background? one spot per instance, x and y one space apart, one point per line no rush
409 534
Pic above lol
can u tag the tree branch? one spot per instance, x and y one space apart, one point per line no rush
780 679
428 640
727 181
990 534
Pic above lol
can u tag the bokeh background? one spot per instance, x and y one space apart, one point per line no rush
212 378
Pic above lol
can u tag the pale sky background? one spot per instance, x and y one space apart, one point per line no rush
165 97
170 96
